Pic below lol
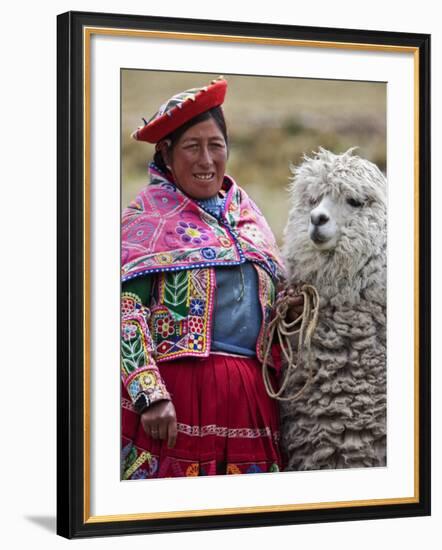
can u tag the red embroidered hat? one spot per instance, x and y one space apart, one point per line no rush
180 108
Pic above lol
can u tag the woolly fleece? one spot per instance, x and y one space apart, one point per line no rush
340 420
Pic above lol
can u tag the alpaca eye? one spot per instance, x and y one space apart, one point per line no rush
313 202
355 203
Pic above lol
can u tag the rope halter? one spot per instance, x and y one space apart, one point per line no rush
306 324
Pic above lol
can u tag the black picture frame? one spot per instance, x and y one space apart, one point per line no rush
73 518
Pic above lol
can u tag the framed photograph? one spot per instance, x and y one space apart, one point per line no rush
243 274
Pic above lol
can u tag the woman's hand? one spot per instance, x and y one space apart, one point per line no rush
295 304
159 422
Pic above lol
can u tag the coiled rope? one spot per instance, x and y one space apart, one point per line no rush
307 322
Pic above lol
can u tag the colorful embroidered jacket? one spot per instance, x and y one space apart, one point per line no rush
169 237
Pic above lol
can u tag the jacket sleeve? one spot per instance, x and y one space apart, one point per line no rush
139 372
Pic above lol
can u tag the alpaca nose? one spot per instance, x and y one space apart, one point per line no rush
319 218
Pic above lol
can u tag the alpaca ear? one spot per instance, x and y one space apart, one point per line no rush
349 152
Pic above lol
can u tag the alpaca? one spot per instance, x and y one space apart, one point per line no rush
335 239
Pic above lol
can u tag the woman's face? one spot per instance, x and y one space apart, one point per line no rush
198 160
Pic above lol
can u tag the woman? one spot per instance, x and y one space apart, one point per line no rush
200 267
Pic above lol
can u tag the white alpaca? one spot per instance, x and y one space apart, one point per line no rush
335 239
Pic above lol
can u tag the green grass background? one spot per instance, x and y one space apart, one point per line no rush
271 121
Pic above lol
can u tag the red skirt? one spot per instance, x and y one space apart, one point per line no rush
227 424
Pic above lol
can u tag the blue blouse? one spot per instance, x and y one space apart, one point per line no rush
237 314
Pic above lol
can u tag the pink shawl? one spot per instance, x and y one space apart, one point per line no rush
166 230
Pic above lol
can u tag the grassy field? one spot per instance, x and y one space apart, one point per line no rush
271 122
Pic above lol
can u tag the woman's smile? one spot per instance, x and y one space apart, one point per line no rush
205 177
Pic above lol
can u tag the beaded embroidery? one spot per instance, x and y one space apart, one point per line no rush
140 464
267 294
181 319
140 460
139 371
231 433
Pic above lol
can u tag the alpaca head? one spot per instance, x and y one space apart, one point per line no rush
337 219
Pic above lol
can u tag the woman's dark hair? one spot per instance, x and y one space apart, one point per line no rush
218 116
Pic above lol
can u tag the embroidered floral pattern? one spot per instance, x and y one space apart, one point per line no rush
165 327
196 324
180 320
134 388
192 233
197 307
149 382
149 379
164 258
139 372
129 331
141 232
253 232
196 342
208 253
133 350
128 302
164 200
224 242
